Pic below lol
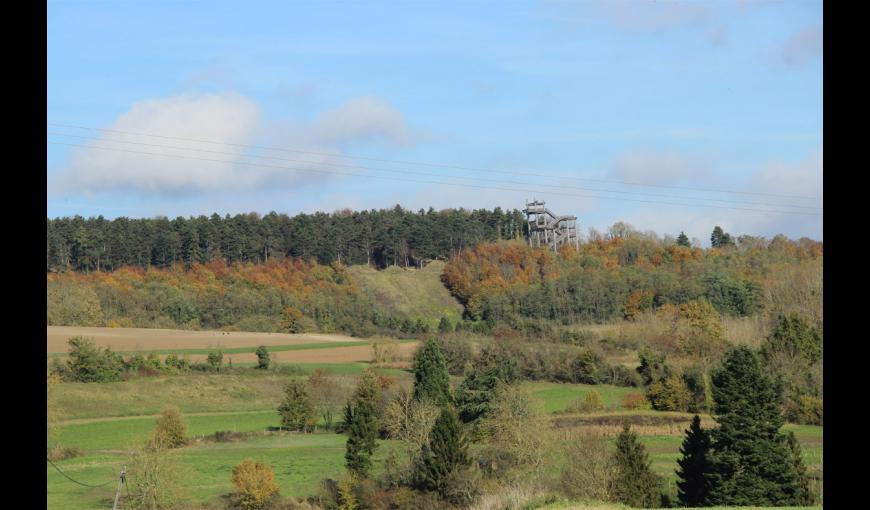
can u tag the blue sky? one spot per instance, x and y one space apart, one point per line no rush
678 96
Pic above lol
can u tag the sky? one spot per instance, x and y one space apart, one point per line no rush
668 115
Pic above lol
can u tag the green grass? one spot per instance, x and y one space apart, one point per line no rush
300 462
557 397
239 350
193 393
410 292
112 421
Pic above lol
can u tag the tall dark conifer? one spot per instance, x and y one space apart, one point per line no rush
363 421
752 463
636 485
695 467
446 451
431 379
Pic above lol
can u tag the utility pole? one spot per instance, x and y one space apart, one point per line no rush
121 481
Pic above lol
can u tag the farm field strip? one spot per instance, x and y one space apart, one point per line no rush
239 350
145 339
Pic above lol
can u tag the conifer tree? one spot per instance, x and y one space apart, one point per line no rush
363 421
804 495
683 240
431 379
297 410
446 451
635 485
694 466
752 463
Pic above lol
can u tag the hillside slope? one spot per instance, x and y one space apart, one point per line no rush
416 293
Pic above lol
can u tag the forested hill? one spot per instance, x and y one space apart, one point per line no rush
384 237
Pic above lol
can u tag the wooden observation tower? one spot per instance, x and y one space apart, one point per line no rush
547 229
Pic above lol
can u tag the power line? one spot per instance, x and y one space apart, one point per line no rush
544 192
434 165
403 171
74 480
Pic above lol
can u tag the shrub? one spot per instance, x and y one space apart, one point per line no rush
669 394
171 430
594 401
463 486
88 363
152 479
215 359
263 358
590 470
635 401
62 453
255 484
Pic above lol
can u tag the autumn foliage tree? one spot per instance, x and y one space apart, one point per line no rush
255 484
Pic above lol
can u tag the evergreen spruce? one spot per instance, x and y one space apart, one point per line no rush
635 485
446 451
683 240
752 463
297 409
362 418
805 495
694 466
431 379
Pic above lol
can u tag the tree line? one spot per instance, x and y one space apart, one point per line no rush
377 237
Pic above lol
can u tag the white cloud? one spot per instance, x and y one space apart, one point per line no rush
225 119
645 166
362 119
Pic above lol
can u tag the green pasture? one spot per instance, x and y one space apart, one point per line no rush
557 396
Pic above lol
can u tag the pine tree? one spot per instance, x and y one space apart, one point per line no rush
362 418
804 495
752 463
446 451
683 240
635 485
716 237
296 410
694 466
431 379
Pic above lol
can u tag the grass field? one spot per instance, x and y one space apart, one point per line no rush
416 293
105 420
237 347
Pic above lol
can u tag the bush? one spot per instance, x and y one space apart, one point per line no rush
590 470
255 484
56 453
669 394
463 486
88 363
263 358
804 409
635 401
171 430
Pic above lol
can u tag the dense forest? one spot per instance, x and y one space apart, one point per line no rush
622 276
377 237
